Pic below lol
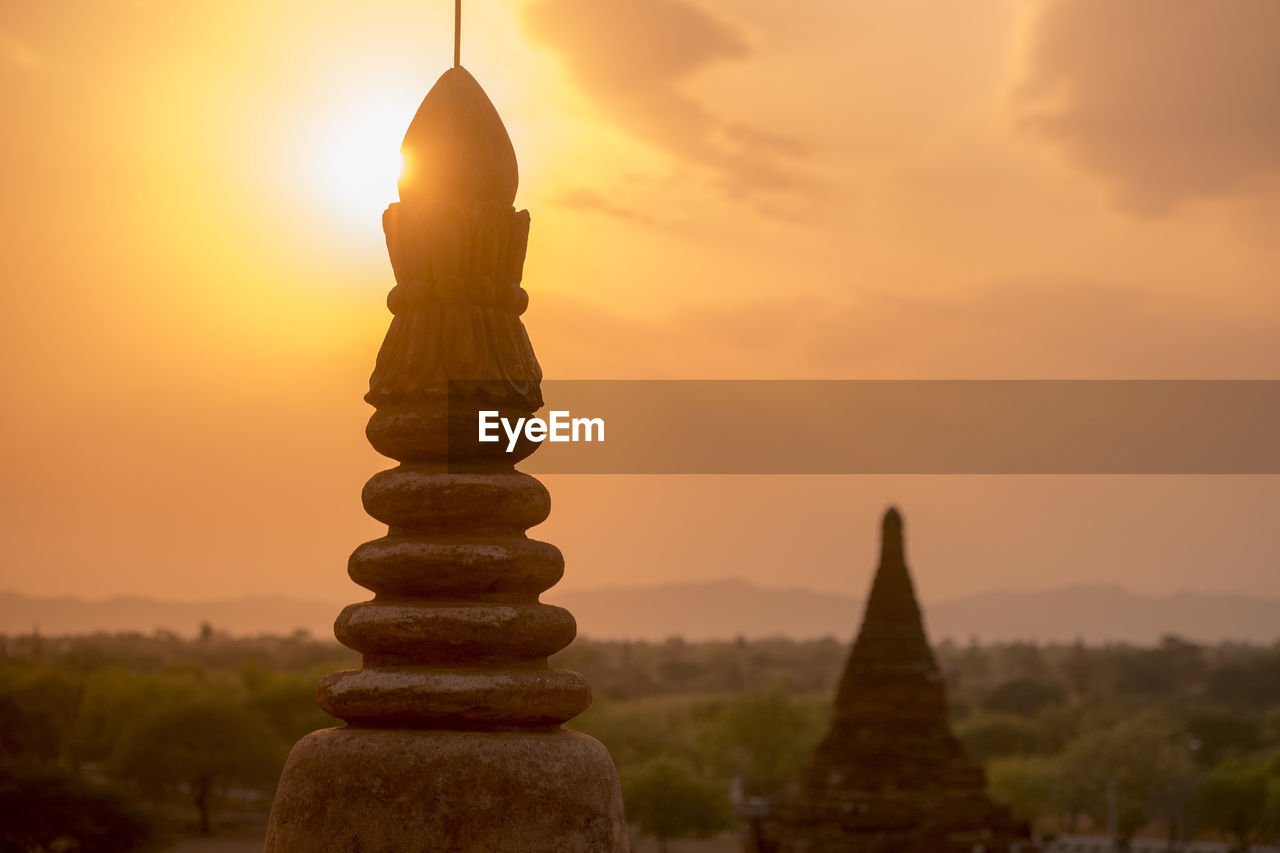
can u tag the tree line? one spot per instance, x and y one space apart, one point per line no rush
155 734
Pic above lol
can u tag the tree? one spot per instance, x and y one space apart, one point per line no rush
989 736
1024 697
634 731
1253 681
1270 729
286 700
1223 734
1026 784
38 710
114 697
667 798
763 737
199 744
1142 761
54 809
1234 800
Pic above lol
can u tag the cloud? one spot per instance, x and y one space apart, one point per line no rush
636 60
582 198
1167 101
1026 328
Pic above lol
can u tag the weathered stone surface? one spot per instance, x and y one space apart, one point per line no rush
414 496
535 697
456 335
453 741
517 567
387 791
467 632
890 776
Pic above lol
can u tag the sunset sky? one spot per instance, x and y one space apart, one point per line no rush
194 269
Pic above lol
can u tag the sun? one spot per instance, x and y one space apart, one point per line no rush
357 157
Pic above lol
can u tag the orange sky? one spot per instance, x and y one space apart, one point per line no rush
195 270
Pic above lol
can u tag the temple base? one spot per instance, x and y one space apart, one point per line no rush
407 791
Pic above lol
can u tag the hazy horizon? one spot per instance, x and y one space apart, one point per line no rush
716 610
666 585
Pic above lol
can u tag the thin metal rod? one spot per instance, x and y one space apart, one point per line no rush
457 33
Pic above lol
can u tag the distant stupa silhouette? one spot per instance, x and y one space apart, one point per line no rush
890 776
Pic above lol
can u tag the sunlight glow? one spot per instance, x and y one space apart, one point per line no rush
358 158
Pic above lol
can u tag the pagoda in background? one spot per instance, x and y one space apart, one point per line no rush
890 776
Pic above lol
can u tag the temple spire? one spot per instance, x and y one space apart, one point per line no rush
890 775
891 645
453 738
893 597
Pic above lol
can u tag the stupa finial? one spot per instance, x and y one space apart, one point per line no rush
457 149
457 247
